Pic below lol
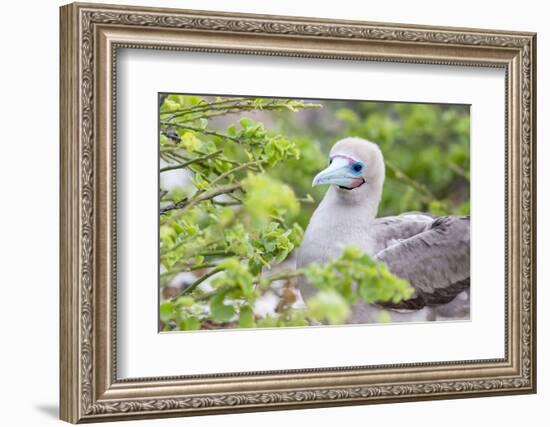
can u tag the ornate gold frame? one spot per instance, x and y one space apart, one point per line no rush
90 36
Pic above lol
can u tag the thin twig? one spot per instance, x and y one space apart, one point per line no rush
197 282
204 105
190 162
200 197
208 295
237 108
235 169
178 205
216 192
203 131
249 105
187 268
216 253
279 276
403 177
201 266
282 275
459 171
174 151
173 156
234 203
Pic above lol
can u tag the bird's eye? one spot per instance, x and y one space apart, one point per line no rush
330 162
357 167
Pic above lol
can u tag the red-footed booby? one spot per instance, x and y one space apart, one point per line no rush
432 253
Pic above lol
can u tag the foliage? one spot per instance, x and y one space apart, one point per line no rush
243 170
429 169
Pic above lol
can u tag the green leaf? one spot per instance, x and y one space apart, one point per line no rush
169 105
246 317
189 141
329 305
167 311
190 324
184 301
219 310
266 197
231 130
245 122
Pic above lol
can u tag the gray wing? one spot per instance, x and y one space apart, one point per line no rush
390 230
435 261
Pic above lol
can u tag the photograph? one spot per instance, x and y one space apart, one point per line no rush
291 212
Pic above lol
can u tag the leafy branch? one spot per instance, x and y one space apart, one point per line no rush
200 197
189 162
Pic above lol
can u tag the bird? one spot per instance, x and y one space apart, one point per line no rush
432 253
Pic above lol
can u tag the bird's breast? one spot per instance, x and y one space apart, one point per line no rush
328 235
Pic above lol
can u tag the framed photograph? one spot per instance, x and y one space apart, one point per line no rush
266 212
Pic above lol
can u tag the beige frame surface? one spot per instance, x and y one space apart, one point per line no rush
90 36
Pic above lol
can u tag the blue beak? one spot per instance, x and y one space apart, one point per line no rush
338 173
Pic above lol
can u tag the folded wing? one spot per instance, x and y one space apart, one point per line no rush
436 261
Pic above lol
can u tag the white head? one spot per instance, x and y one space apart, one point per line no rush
355 173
